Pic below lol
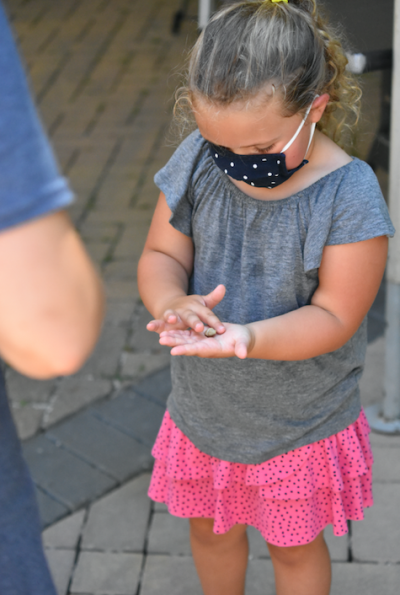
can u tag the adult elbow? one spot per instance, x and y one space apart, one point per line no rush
61 360
60 351
70 358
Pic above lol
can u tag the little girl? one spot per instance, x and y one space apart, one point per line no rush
269 244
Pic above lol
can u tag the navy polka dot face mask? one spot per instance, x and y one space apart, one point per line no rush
261 170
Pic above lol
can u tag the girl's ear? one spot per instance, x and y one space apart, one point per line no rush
318 108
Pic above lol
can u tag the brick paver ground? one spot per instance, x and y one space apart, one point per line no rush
103 73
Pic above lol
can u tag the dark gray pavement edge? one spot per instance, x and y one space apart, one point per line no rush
97 449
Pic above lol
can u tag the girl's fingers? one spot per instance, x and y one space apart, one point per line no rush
196 348
202 317
241 350
196 317
234 342
181 350
159 326
171 317
155 326
215 296
173 339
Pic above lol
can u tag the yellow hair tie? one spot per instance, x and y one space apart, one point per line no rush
276 1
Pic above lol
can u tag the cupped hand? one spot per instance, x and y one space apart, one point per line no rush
236 341
194 311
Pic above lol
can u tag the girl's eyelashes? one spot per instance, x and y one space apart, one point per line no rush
260 150
265 149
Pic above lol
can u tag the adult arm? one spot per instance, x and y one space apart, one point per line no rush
50 296
51 299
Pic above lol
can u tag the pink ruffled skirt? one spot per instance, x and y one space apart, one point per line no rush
289 499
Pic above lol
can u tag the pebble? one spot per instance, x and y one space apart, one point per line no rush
210 332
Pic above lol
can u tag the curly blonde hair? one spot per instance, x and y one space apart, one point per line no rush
248 45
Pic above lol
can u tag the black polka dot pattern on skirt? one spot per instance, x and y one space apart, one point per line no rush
289 499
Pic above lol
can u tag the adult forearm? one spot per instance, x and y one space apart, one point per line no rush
301 334
51 298
160 279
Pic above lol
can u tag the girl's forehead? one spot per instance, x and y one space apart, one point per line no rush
256 107
241 124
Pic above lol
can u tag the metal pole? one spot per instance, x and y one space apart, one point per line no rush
205 9
385 417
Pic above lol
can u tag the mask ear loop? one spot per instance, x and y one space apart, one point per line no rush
313 125
300 127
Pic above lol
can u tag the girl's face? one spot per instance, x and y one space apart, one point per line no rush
247 129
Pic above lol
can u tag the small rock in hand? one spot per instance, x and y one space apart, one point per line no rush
210 332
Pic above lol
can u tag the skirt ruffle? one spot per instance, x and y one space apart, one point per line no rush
289 499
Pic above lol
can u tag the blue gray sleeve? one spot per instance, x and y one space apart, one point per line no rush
30 182
355 211
174 181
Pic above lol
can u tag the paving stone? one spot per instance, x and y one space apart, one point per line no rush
260 578
371 384
338 546
121 290
120 312
72 394
61 563
134 415
27 420
52 469
257 546
169 535
106 573
105 357
137 365
134 237
24 390
110 450
94 231
28 398
357 579
116 191
97 251
365 579
118 522
64 534
386 465
120 269
384 440
377 537
170 574
50 510
157 386
143 340
160 507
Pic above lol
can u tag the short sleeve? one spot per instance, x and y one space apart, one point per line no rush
30 182
175 178
351 209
